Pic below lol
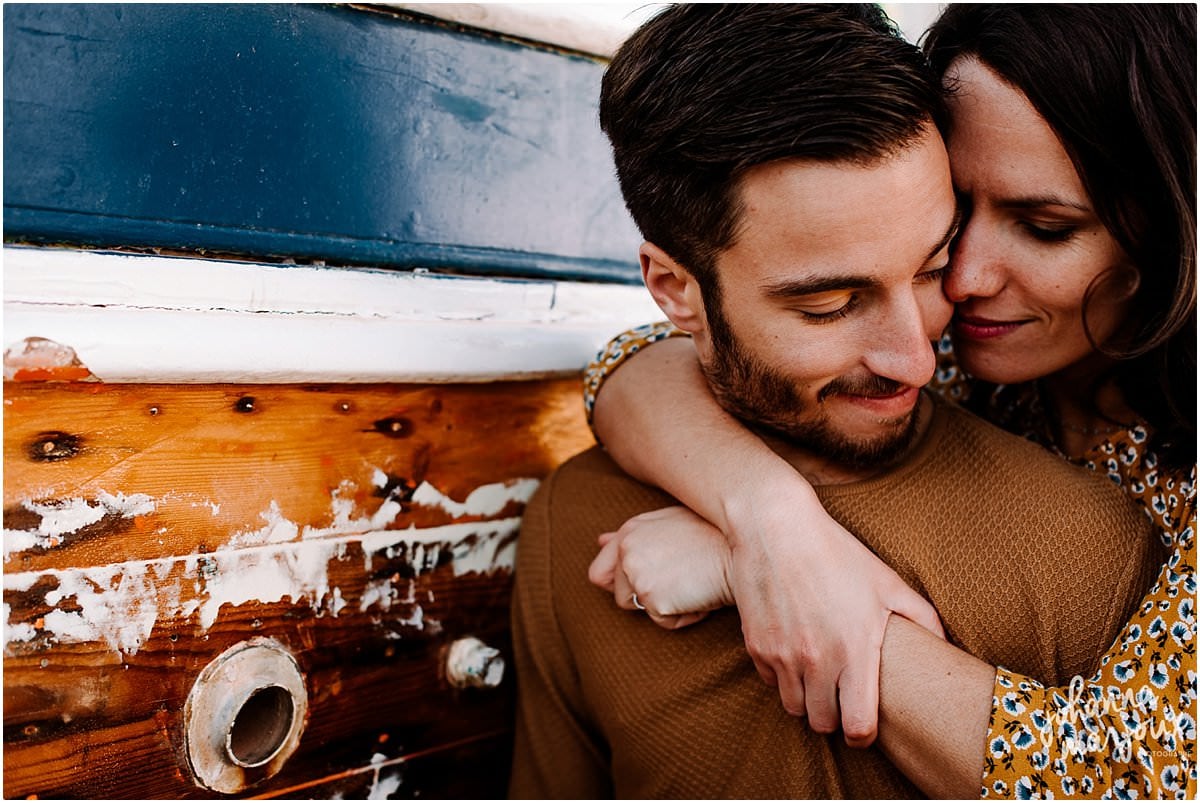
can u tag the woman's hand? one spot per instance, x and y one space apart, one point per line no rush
814 604
676 562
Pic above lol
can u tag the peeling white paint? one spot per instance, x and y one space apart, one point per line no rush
486 500
20 631
63 517
119 604
415 619
377 592
342 506
277 530
338 603
385 785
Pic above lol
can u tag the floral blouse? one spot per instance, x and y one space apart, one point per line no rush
1129 730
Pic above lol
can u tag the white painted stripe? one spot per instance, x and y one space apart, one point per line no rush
596 28
135 318
600 28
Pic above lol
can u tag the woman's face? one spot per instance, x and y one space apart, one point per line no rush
1031 244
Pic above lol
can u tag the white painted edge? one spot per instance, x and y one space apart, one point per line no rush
140 318
595 28
600 28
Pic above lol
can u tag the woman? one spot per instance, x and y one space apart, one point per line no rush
1074 284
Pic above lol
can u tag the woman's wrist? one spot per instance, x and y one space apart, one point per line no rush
767 500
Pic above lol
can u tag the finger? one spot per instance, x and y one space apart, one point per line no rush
604 538
689 619
676 621
665 621
820 700
792 692
623 591
604 566
765 672
911 605
858 694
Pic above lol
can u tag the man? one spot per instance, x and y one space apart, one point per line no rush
785 167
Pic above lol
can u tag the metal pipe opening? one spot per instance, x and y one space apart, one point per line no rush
261 727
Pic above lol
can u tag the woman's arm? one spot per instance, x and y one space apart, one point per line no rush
818 639
952 723
935 699
934 705
1128 730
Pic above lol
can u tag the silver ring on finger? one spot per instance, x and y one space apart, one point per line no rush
637 604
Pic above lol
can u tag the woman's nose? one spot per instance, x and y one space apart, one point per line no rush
976 264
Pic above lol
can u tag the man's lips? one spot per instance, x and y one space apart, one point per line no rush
978 328
891 405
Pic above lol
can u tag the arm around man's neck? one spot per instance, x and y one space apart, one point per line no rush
935 702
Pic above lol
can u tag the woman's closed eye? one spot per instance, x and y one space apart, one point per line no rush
1049 233
934 275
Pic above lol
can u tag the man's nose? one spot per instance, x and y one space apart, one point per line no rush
902 350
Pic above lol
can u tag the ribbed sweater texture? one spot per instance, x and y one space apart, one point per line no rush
1032 564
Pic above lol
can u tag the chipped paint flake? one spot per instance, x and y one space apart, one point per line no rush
40 359
119 604
385 785
276 530
63 517
486 500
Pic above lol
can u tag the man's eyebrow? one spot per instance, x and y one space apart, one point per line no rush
949 235
808 286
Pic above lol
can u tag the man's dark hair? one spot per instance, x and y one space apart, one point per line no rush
701 93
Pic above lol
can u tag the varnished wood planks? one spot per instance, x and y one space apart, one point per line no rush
338 520
212 460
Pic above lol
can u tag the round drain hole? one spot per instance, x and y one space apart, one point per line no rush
261 727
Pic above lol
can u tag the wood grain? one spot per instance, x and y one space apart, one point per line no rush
218 513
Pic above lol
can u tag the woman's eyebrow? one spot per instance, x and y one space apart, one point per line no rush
1039 201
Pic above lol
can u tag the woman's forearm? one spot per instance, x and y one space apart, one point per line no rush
656 414
935 702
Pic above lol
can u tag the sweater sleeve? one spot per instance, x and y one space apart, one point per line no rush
616 352
1129 730
555 755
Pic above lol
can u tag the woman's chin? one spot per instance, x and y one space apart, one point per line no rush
1001 369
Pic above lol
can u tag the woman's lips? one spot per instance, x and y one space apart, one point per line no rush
977 328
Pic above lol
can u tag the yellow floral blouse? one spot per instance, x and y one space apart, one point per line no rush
1129 730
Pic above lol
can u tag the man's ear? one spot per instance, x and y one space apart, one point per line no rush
674 289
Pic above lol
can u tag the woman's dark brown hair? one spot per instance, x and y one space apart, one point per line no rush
1117 83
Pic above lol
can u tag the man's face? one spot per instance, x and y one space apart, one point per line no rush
831 295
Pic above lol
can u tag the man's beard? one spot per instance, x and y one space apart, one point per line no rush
765 399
